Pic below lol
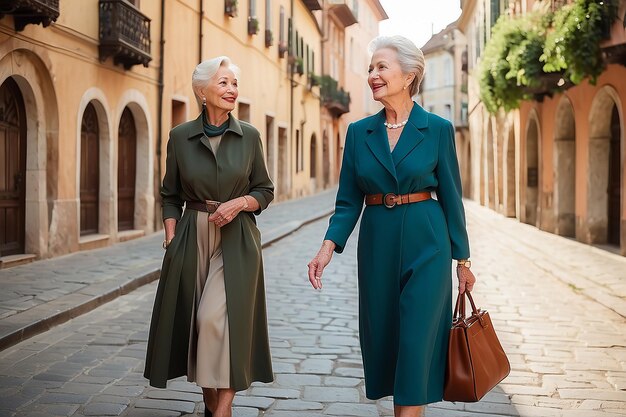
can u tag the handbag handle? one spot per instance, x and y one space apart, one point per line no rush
459 308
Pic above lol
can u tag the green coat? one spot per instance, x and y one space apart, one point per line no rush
193 172
404 253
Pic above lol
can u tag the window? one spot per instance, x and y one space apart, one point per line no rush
281 27
447 112
244 112
252 8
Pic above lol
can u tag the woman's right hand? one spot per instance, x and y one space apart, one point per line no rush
317 264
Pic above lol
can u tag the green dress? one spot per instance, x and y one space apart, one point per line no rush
194 173
404 253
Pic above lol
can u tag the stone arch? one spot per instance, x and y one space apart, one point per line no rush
144 195
605 204
564 155
490 199
98 100
508 173
45 214
531 172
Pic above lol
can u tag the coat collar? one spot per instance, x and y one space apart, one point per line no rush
196 128
411 137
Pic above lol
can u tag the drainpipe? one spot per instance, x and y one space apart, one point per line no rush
291 87
157 190
200 31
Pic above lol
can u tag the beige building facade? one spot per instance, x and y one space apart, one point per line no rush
90 88
556 162
349 26
444 88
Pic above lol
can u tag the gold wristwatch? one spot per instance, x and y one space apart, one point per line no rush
464 262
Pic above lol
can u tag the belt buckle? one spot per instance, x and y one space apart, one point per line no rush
211 206
390 197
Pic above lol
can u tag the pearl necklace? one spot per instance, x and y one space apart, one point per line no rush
395 126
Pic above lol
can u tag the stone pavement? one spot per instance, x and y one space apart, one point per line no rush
42 294
567 348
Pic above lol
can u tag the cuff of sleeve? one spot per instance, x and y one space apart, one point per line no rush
172 212
339 243
260 198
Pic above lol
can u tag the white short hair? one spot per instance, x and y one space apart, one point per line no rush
410 57
207 69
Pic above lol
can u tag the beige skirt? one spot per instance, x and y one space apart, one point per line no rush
209 348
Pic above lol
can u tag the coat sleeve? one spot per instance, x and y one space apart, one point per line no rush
171 202
261 186
349 202
449 193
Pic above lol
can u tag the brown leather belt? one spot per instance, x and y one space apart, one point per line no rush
390 199
208 206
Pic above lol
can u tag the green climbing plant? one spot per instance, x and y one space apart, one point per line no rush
511 61
526 53
573 44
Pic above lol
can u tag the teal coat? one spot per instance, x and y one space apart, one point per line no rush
193 172
404 253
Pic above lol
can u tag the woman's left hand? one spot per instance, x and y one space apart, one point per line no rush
227 211
466 279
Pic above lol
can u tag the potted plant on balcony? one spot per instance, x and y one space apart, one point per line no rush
269 38
282 49
230 8
298 66
510 61
253 25
573 44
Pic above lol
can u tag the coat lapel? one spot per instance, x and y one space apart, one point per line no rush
411 135
377 142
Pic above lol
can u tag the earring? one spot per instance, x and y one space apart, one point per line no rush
404 87
203 101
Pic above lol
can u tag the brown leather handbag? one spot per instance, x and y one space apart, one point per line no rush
476 361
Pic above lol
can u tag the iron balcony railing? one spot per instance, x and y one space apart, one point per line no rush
335 99
124 34
26 12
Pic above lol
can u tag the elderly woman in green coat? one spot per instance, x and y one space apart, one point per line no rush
393 162
209 319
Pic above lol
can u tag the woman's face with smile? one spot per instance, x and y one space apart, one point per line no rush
385 75
221 91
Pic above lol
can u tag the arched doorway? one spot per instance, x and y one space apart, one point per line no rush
491 192
615 186
509 174
565 169
326 158
482 167
89 172
532 173
13 175
604 177
126 171
313 158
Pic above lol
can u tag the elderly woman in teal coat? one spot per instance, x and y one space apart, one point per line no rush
393 162
209 320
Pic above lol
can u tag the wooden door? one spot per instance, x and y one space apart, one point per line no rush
126 163
13 169
614 188
89 172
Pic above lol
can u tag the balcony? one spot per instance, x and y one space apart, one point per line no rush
25 12
342 12
336 100
124 34
313 4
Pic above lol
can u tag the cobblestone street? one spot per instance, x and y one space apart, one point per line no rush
558 307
